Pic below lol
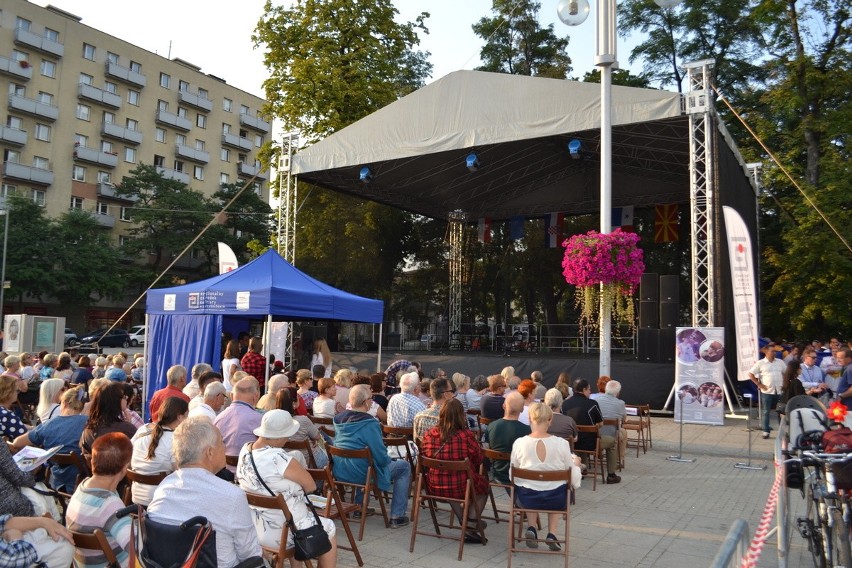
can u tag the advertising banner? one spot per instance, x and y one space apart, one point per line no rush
742 284
700 375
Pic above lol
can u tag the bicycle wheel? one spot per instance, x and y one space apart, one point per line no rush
814 527
840 553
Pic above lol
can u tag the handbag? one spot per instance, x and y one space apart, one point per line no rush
310 542
837 441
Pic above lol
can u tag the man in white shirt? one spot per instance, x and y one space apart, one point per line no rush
192 388
403 407
768 375
214 400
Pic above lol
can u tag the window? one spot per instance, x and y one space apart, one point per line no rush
42 132
194 253
225 155
258 188
162 105
38 197
76 203
202 93
14 122
226 128
178 166
106 146
244 109
241 158
20 55
81 140
198 172
130 155
19 90
109 117
112 57
133 97
86 79
45 98
23 24
165 80
122 240
199 145
243 133
124 215
201 121
8 190
180 139
50 34
89 51
224 179
83 111
160 135
78 174
132 125
48 68
12 156
258 140
41 163
227 104
102 208
135 66
159 161
182 112
110 87
183 85
104 177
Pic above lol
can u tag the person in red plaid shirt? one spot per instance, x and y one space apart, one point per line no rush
451 439
253 362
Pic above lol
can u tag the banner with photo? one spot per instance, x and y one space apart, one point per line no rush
700 375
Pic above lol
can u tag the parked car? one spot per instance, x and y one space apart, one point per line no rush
137 335
116 338
70 337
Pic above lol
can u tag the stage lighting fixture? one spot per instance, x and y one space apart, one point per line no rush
366 175
575 148
472 162
573 12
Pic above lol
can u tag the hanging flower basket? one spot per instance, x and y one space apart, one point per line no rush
608 266
24 64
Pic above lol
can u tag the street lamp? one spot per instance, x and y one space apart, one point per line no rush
574 13
4 213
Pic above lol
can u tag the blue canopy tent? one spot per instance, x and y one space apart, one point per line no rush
185 322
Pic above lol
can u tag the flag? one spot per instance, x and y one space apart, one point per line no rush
227 258
483 230
622 217
665 223
516 228
554 227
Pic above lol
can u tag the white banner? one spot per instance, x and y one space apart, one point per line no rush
744 296
227 259
700 375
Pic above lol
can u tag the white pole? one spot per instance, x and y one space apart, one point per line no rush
379 358
3 270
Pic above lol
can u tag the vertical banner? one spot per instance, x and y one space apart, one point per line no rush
700 375
227 258
742 286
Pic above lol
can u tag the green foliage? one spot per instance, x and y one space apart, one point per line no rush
515 42
621 77
29 262
248 220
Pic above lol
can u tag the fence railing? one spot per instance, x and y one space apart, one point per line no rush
734 547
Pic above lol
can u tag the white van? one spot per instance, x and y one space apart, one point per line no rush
137 335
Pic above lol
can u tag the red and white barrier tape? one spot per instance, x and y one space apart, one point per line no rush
759 539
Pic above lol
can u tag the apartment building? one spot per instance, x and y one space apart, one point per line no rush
84 108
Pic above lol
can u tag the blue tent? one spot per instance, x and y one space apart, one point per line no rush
185 322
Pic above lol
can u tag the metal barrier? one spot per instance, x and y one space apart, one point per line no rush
782 511
734 547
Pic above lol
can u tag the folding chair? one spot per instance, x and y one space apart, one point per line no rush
398 431
366 487
483 427
517 537
645 418
595 456
96 540
403 450
232 460
494 455
422 495
277 502
136 477
633 423
335 508
305 447
325 424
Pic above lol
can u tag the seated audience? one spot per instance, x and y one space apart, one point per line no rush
441 390
503 432
613 408
48 399
526 388
586 412
204 380
305 382
213 400
105 416
325 404
34 541
152 447
287 400
276 383
193 387
10 425
238 421
560 425
491 404
375 410
12 481
176 380
403 407
343 380
378 386
83 374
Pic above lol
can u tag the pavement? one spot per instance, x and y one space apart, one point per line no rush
663 513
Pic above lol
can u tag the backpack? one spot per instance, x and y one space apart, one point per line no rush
837 441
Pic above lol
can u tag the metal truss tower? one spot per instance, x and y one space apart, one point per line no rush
288 191
457 270
702 191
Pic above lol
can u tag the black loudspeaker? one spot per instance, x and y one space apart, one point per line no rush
649 290
666 351
649 345
669 288
668 315
649 315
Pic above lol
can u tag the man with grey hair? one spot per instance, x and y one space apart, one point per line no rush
192 389
276 383
403 407
193 489
176 380
613 408
238 422
502 433
213 401
540 389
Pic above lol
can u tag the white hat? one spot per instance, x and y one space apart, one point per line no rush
277 424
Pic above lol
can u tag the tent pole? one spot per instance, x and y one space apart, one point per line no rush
147 369
379 359
267 337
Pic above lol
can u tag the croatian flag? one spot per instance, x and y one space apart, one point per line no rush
483 230
622 217
554 227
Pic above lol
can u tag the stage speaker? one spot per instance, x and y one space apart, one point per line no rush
666 348
649 315
669 288
649 290
648 349
668 315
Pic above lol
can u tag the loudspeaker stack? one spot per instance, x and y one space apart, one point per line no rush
659 302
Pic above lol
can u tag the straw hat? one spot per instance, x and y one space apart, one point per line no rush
276 424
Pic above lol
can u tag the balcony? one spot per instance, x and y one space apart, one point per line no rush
106 189
236 142
27 173
106 221
196 101
169 173
190 153
169 119
122 73
255 123
39 43
33 107
112 130
246 170
9 135
17 69
93 156
97 95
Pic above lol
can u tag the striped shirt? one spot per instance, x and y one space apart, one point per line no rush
91 509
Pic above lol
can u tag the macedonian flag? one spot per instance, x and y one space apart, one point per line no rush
665 223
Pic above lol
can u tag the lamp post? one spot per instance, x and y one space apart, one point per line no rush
574 13
5 214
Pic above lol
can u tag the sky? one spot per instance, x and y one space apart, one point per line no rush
216 35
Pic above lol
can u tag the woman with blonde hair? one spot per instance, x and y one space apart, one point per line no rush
10 425
321 356
48 400
99 371
231 363
343 380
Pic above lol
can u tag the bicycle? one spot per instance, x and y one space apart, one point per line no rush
827 523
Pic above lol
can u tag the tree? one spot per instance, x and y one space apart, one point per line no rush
621 77
515 43
248 220
29 258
